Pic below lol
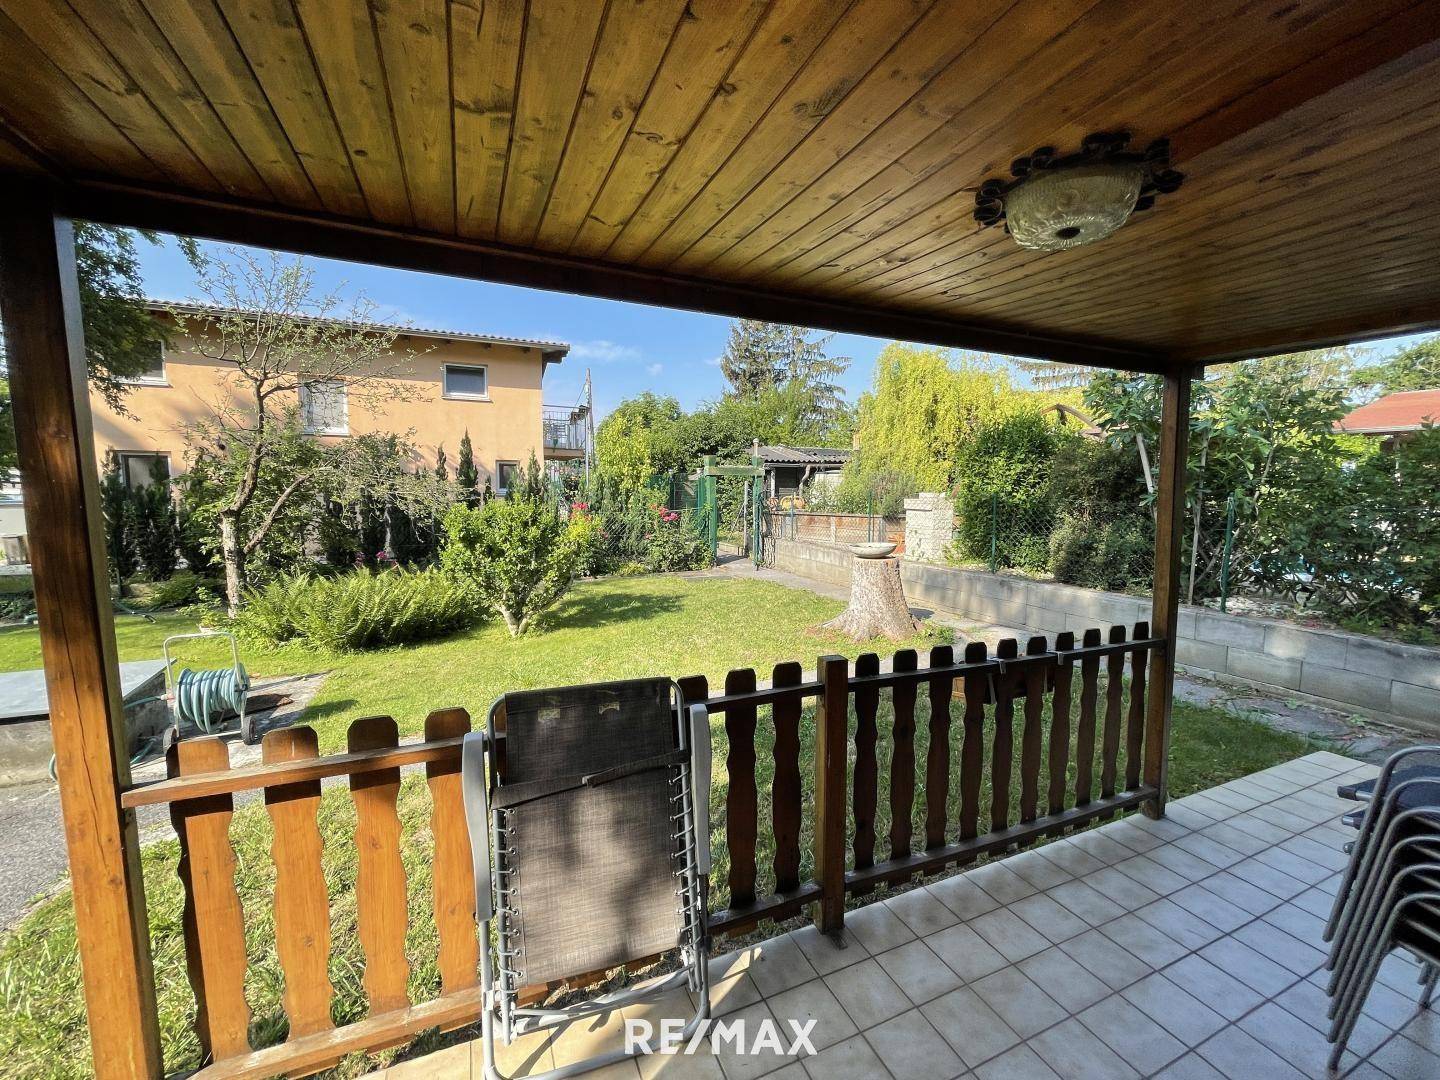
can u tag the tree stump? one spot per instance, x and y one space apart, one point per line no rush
877 603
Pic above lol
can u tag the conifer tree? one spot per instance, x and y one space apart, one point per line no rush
466 474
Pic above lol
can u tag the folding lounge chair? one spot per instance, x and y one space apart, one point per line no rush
590 835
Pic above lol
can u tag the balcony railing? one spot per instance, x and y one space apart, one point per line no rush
565 427
982 724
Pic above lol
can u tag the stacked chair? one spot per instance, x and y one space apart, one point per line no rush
588 813
1389 897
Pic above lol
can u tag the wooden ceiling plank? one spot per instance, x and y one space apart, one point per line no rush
202 41
324 236
1412 318
1010 44
19 156
560 37
932 45
1222 190
129 32
923 185
1223 45
486 40
863 38
791 32
1265 208
51 112
414 43
274 45
60 34
347 58
695 71
628 59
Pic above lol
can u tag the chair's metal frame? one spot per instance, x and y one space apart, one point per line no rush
490 844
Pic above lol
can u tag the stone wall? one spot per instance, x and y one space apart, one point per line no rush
1344 671
929 526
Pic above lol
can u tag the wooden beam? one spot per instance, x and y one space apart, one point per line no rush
312 233
832 749
1173 447
1413 319
40 299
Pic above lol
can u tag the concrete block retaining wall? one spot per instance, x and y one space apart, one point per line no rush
1344 671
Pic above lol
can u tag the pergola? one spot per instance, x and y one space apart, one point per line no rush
807 161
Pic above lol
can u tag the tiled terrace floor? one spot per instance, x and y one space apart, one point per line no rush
1184 948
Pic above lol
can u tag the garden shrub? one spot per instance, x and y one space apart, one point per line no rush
516 553
358 610
1115 555
182 588
674 544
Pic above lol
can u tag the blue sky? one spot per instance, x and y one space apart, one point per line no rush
629 348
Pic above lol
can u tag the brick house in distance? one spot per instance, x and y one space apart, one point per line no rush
488 386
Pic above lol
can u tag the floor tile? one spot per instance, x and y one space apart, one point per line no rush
851 1059
1044 914
1281 948
1008 934
1036 869
1137 840
1108 962
1152 875
1099 846
1178 924
1240 1057
1018 1063
1019 1001
1139 1041
1177 860
813 1001
1190 1067
1330 857
778 965
746 1066
1152 946
1001 882
1262 829
1317 902
1084 902
1406 1060
825 953
735 992
877 928
919 973
1166 828
1242 894
1292 865
1291 1038
1058 973
1311 1004
870 996
1072 858
1217 989
1298 923
971 1027
448 1063
1283 819
1215 910
1074 1052
1244 963
963 896
1120 888
1192 819
922 912
1236 839
965 952
910 1047
1211 850
1174 1009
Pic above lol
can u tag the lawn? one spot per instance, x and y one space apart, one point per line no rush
605 630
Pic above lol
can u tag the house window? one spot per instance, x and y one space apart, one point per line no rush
154 373
136 469
505 475
471 383
325 407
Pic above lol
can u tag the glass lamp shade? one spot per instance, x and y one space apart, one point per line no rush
1073 205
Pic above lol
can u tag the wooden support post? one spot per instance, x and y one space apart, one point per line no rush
832 733
1173 449
40 300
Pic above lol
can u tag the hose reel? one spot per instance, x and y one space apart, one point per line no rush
204 699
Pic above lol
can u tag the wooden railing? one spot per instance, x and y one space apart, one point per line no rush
1004 695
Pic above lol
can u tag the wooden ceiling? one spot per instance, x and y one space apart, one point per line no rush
809 160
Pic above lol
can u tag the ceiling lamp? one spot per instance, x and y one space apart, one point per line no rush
1063 202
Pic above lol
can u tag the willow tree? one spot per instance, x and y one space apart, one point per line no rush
295 360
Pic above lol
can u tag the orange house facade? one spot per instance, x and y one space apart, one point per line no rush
455 383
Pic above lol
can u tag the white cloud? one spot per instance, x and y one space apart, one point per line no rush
654 369
715 361
603 351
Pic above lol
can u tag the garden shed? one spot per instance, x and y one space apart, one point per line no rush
865 168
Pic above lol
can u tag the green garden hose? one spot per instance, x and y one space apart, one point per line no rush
205 698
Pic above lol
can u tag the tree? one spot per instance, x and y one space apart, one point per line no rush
121 335
761 357
275 334
118 511
466 474
156 525
1416 367
517 553
442 467
638 440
